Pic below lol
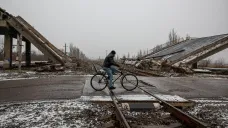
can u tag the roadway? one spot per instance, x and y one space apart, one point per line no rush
71 87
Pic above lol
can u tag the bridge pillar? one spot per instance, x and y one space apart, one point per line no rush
28 53
195 66
8 43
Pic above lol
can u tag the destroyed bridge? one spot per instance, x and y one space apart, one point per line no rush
184 54
16 27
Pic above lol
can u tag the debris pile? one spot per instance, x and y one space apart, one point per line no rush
50 68
153 67
81 65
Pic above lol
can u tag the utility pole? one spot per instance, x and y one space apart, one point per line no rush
106 52
65 48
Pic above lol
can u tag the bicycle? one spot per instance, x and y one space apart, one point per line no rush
99 81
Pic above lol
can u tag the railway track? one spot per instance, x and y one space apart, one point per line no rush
183 117
177 113
120 116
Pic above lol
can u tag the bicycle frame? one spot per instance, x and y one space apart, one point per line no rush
115 79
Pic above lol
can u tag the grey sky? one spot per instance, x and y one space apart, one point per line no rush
124 25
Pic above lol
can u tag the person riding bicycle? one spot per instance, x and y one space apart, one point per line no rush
109 67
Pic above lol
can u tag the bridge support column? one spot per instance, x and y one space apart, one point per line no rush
28 53
195 66
8 43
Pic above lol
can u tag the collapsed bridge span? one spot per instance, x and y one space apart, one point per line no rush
11 26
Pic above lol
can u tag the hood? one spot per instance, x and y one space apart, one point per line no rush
111 55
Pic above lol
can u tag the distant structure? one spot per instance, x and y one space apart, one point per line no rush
16 27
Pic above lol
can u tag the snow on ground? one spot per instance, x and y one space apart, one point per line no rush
68 113
202 70
135 98
213 76
14 75
72 113
212 111
17 76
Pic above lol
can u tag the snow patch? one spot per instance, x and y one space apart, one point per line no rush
45 114
171 98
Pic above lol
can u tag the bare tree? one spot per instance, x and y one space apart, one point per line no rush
187 37
205 63
75 52
128 55
173 37
124 57
144 52
139 54
220 63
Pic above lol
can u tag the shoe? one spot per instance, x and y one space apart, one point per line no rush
112 87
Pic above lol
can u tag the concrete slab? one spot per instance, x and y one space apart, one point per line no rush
137 95
134 98
190 87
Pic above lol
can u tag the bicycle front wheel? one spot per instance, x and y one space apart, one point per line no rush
98 82
129 82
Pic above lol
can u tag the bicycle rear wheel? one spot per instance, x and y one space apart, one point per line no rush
98 82
129 82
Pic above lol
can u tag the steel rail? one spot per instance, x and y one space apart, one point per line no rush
182 116
119 114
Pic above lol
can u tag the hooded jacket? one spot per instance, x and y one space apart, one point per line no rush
109 61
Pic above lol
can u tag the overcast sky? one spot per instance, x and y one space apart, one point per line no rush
123 25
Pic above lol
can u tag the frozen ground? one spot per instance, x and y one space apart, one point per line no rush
213 76
14 75
72 113
211 111
69 113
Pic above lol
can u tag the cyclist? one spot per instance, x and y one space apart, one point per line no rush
109 67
